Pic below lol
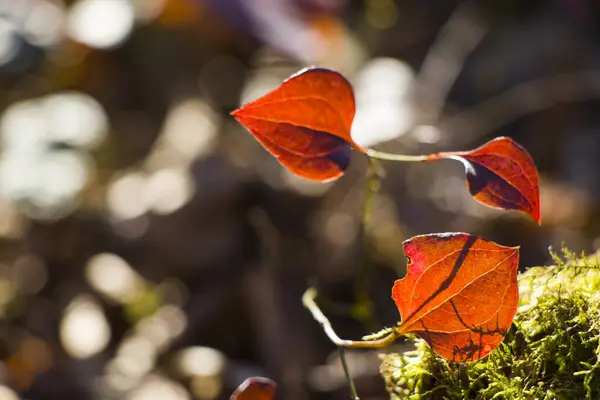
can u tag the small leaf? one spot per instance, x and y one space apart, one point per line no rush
255 388
501 174
305 123
460 293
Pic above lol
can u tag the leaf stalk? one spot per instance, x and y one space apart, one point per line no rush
309 301
380 155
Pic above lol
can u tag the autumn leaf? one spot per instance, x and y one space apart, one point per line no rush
255 388
460 293
305 123
501 174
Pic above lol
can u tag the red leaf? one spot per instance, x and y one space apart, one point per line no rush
501 174
305 123
255 388
460 293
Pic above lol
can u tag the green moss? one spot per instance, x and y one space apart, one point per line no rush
552 350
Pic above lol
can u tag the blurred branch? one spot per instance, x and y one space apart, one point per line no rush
520 100
444 61
457 39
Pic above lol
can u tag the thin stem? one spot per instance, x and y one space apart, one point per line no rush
374 175
351 386
395 157
363 303
308 299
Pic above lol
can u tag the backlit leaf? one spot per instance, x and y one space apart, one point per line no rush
255 388
501 174
305 123
460 293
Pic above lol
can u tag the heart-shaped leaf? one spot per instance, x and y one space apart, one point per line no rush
460 293
255 388
501 174
305 123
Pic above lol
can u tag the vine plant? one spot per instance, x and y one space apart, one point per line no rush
460 293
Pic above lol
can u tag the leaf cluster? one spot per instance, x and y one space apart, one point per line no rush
551 352
460 293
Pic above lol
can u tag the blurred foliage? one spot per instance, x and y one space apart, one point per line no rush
149 249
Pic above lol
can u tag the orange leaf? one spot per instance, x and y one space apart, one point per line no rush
501 174
460 293
255 388
305 123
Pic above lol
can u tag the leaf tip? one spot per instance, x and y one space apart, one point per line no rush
235 113
537 216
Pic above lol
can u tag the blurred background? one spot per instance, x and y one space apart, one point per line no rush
151 249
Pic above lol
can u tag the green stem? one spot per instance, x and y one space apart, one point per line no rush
363 304
351 386
395 157
374 174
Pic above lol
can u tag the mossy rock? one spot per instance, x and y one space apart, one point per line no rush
552 350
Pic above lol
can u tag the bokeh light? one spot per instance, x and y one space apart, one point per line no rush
159 388
110 275
44 164
40 181
201 361
125 196
163 327
137 353
205 367
168 190
190 129
23 129
44 22
99 23
7 394
427 134
135 358
75 119
9 41
383 105
84 330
